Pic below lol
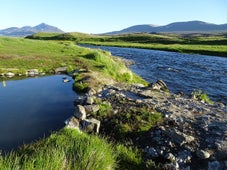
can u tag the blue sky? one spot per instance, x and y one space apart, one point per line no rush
98 16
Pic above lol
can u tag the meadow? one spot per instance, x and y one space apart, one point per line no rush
193 43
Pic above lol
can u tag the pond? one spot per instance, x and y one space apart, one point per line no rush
181 72
32 108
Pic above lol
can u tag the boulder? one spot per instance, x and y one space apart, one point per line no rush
90 125
80 112
91 92
159 85
73 123
91 108
90 100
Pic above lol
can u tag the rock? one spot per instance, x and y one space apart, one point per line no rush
184 156
146 93
170 157
80 112
162 84
66 80
90 100
79 101
32 72
91 108
159 85
215 165
61 70
91 92
202 154
178 136
90 125
10 74
171 166
72 122
151 152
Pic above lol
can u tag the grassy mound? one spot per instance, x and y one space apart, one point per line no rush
70 149
67 149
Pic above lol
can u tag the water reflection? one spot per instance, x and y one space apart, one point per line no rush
4 83
33 107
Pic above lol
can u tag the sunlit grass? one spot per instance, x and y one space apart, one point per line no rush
22 54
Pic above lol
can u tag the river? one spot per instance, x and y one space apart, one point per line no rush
181 72
32 108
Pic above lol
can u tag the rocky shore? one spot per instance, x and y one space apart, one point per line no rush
191 135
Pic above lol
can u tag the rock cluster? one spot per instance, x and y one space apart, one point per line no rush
84 107
191 132
9 73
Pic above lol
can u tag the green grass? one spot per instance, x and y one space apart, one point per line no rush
207 44
69 149
23 54
66 149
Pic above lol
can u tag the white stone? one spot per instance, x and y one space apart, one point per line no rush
10 74
202 154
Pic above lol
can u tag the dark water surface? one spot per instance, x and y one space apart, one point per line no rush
181 72
32 108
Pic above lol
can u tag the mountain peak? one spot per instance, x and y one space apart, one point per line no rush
176 27
28 30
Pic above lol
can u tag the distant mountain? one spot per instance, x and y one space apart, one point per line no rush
177 27
28 30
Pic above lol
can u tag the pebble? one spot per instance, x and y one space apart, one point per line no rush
202 154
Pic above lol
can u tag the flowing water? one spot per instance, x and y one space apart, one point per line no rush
32 108
181 72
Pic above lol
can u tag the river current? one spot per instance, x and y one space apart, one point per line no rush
181 72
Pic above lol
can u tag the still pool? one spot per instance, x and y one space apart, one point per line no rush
32 108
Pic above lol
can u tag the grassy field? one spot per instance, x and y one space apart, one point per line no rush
208 44
18 55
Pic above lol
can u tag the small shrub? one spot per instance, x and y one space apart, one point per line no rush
104 110
70 69
123 129
199 95
129 158
80 87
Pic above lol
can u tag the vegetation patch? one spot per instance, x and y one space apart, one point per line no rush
207 44
66 149
19 55
199 95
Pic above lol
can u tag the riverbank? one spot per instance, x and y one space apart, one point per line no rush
89 68
146 127
173 131
205 44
